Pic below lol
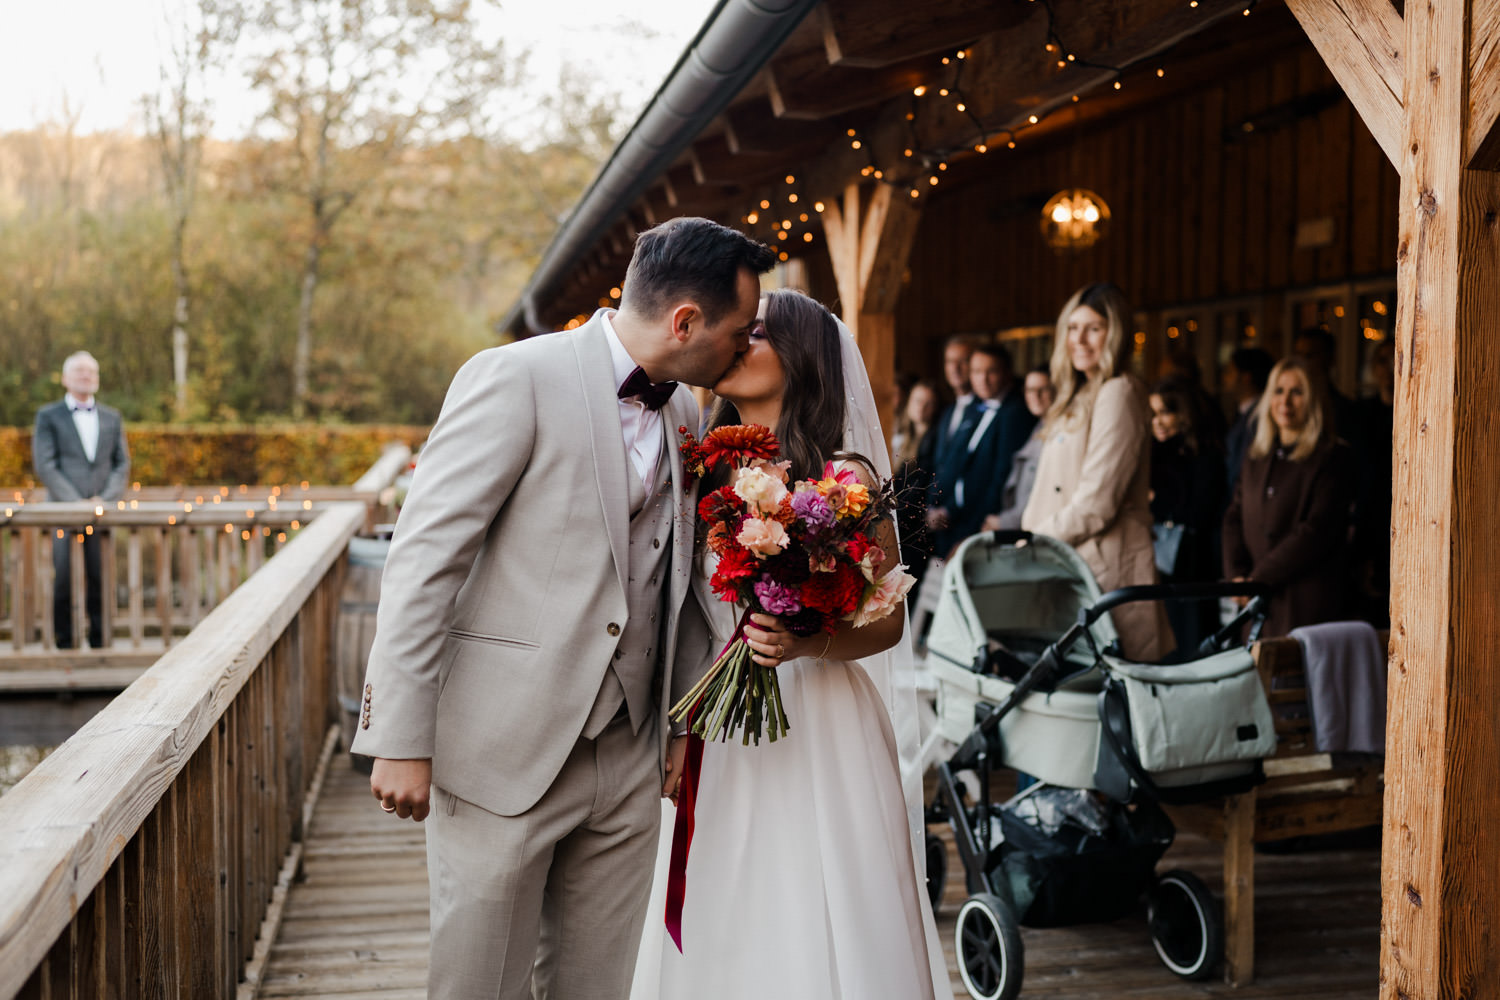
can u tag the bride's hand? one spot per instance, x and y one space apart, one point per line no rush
770 642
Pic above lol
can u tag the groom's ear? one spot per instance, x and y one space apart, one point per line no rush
685 316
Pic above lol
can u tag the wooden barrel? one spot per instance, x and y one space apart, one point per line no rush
356 628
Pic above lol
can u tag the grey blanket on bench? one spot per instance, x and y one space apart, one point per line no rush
1345 668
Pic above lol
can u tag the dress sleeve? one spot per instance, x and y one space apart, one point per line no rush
1116 448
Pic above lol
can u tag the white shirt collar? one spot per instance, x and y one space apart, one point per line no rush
623 363
75 405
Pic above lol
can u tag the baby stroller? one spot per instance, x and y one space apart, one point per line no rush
1028 674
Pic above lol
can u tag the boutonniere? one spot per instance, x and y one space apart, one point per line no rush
693 457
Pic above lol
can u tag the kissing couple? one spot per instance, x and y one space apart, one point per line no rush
545 601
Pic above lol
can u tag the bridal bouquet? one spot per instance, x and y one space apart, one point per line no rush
804 552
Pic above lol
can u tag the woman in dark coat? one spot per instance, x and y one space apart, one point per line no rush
1187 503
1289 521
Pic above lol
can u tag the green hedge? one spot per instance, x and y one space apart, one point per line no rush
268 455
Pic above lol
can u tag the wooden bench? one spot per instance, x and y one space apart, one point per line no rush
1306 793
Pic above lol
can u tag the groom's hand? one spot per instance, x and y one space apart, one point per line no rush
403 787
676 754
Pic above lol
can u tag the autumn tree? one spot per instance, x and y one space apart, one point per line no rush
177 119
350 86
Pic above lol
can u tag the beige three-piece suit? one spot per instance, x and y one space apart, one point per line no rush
533 605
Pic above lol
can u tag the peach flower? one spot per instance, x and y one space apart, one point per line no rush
889 592
760 489
764 538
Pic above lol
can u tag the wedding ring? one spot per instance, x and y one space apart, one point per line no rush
386 808
780 651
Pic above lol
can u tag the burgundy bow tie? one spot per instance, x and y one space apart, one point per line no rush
653 394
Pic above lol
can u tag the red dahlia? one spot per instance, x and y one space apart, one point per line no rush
739 445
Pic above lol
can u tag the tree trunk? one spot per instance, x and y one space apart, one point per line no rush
303 360
179 323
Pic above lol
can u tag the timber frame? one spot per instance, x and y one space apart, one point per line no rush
1424 79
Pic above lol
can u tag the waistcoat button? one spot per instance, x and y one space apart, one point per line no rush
612 628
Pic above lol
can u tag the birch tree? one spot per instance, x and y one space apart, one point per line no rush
350 85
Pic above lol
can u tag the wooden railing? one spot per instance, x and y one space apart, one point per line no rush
168 556
140 858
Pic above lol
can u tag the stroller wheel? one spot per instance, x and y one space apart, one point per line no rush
987 940
1185 924
937 869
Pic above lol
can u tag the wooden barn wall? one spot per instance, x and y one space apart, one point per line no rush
1195 217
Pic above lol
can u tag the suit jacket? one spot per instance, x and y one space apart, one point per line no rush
984 468
1092 491
1288 527
503 595
63 467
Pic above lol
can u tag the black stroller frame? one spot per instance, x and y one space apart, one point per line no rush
1185 923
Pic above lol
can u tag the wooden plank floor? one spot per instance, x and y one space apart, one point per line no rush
356 927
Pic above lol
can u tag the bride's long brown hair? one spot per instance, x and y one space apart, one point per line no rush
805 338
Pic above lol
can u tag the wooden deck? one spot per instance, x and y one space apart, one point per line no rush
356 927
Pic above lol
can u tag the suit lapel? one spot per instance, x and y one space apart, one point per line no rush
597 376
65 417
676 415
108 432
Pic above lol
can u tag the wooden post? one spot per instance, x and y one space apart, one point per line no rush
869 252
1441 863
1239 888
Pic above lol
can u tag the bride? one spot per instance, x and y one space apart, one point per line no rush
805 877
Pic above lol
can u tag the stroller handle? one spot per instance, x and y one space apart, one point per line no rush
1171 592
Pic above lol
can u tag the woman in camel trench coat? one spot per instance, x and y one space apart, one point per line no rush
1093 480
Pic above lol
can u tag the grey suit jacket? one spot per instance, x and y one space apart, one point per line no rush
503 595
58 456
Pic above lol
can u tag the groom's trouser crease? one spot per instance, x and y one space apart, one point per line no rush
564 883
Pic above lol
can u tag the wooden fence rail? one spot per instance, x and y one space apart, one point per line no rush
165 562
139 858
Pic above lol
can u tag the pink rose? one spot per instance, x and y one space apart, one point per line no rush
764 538
889 592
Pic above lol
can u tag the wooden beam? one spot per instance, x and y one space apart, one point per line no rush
803 86
877 33
1441 849
1484 87
752 127
1362 43
714 164
869 250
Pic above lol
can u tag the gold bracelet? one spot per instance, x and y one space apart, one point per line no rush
823 654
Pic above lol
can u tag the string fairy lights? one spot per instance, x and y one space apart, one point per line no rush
918 166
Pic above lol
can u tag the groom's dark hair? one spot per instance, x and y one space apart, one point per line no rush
691 258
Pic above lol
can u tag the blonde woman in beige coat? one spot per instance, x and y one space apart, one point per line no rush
1093 480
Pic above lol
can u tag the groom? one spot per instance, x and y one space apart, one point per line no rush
529 615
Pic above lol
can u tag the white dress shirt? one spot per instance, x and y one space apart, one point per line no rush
640 424
86 419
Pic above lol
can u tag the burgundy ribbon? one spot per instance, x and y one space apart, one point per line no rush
687 797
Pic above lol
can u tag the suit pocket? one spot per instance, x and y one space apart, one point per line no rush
497 640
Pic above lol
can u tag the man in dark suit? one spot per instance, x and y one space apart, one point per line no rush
972 470
78 449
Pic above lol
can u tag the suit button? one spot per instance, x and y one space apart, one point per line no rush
612 628
619 654
656 543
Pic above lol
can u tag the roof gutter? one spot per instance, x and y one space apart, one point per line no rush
736 40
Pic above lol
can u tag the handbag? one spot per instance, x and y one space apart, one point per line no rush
1166 539
1183 731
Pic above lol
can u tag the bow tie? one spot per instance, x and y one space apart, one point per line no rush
84 409
653 395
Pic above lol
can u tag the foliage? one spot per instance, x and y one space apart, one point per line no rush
267 455
423 269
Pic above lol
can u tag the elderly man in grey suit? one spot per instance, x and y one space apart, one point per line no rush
532 626
78 449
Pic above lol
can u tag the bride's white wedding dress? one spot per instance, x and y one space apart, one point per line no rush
805 879
801 882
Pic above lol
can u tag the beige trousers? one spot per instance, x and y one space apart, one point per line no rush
548 904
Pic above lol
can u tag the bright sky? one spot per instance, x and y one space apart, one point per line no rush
100 56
